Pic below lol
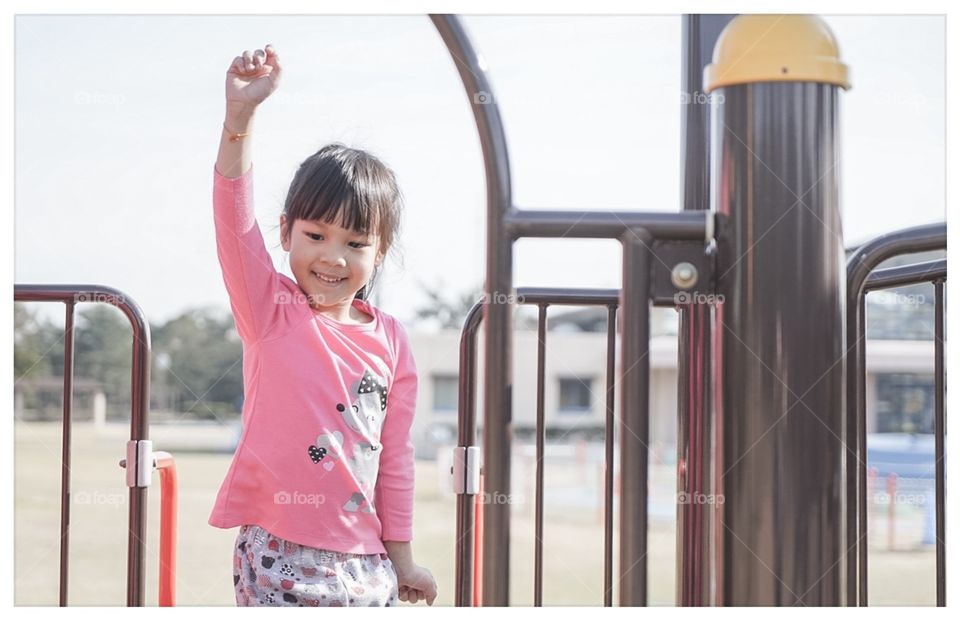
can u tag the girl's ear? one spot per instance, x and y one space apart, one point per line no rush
284 239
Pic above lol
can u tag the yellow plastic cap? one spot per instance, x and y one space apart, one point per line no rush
775 48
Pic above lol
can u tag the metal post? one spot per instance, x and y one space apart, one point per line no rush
541 446
66 445
608 438
498 337
780 400
634 417
694 423
467 438
939 437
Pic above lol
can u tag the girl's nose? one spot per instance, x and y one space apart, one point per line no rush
337 261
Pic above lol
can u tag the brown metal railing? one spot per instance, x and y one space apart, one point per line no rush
467 582
863 277
140 461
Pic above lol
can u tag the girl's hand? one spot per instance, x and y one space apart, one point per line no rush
416 584
253 77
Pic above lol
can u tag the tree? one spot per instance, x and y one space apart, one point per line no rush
203 367
195 366
37 345
449 309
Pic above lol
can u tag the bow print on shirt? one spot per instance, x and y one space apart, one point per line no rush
365 415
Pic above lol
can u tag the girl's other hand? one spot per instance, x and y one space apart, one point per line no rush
416 584
253 76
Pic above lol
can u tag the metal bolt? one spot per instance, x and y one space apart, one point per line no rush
683 276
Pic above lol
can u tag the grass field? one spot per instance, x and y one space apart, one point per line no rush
573 536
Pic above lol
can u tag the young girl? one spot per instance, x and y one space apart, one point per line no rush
321 483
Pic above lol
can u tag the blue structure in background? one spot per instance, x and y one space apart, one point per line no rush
911 458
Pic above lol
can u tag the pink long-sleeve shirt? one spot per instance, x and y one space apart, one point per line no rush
325 458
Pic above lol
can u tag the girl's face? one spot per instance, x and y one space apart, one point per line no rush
322 249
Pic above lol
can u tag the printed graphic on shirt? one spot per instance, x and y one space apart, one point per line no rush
327 449
365 415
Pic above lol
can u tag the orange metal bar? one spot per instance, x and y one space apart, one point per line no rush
168 529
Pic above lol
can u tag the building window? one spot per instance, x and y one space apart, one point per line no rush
445 390
575 394
905 403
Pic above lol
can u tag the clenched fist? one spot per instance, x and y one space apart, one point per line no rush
253 77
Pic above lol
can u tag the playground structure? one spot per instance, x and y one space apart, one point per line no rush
761 290
771 320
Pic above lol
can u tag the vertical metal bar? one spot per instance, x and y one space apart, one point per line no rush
498 340
466 437
66 441
860 427
717 373
541 428
939 436
855 335
695 573
168 529
498 415
780 262
608 461
634 417
139 430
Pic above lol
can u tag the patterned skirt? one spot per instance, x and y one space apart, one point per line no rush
271 571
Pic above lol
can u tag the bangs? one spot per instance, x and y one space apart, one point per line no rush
335 202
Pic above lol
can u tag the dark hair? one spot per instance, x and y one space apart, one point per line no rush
350 188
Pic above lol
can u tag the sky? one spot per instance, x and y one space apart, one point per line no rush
118 119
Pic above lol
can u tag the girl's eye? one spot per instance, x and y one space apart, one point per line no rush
354 244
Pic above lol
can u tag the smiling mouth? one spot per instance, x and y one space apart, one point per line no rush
327 279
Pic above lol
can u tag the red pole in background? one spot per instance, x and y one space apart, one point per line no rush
478 547
601 487
891 511
168 529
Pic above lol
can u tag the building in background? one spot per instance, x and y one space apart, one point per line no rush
899 383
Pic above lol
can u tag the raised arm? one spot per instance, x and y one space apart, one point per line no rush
251 78
256 292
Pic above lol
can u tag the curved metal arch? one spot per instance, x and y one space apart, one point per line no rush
498 336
